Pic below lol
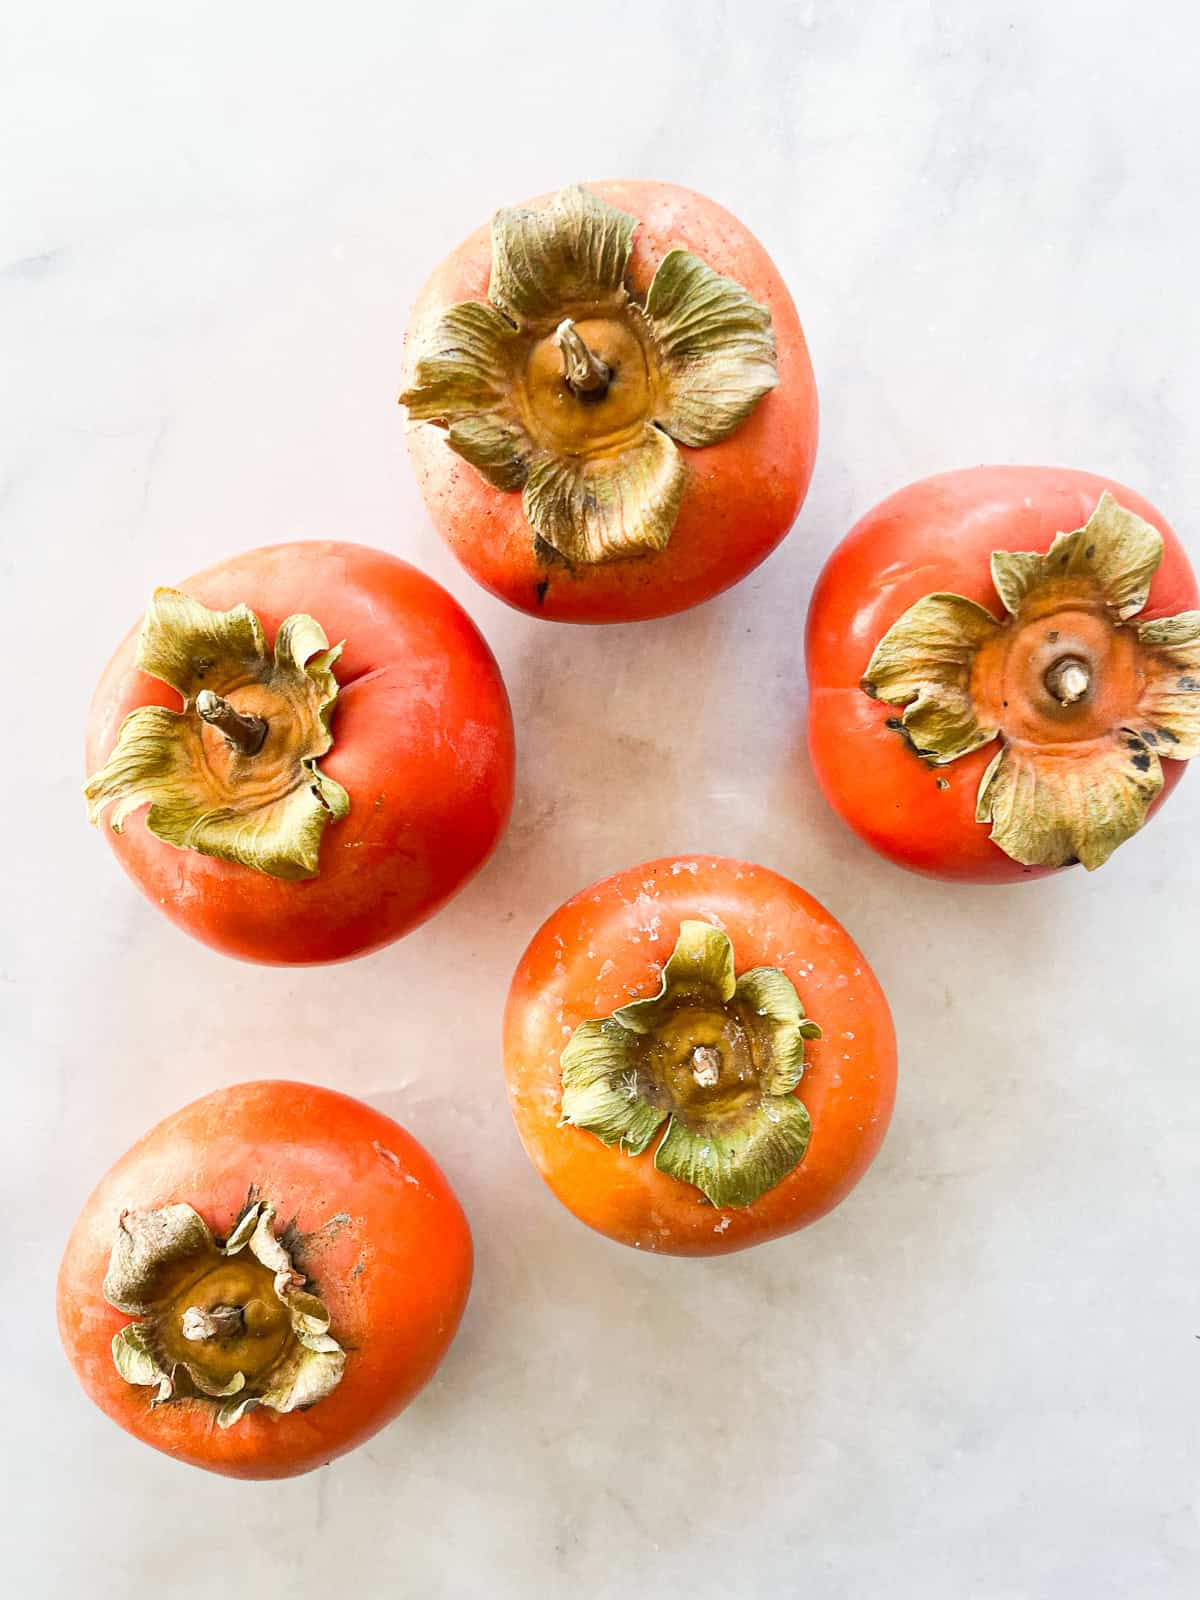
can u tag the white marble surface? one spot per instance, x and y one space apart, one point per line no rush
979 1379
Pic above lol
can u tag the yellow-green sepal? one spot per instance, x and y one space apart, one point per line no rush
602 1091
267 812
733 1166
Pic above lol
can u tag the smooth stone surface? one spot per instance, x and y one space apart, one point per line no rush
979 1379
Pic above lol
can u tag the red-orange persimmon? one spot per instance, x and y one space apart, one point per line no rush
381 779
295 1266
1054 725
684 460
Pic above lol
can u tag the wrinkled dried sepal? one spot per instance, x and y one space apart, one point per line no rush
734 1167
574 250
157 1251
1170 700
923 663
1116 552
606 508
716 345
1049 808
186 645
159 759
150 1250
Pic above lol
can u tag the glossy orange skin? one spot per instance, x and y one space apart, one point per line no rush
394 1277
606 947
423 745
938 535
742 495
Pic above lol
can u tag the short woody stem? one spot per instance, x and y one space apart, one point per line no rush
706 1065
245 733
585 372
1068 680
221 1322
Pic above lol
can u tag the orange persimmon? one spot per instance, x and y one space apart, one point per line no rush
295 1266
717 1005
612 408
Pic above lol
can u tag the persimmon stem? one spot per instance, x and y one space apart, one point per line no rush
245 732
585 372
706 1065
1068 680
220 1322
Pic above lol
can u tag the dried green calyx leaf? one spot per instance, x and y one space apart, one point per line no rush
1083 703
923 663
715 1057
227 1323
234 774
570 388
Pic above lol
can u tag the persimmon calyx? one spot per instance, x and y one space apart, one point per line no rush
233 774
567 386
1083 700
228 1323
715 1057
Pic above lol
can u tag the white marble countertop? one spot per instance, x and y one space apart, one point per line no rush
980 1378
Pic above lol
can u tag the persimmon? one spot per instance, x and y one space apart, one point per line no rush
698 1056
612 404
1004 672
264 1280
306 803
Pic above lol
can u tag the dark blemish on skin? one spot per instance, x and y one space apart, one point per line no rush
541 591
1133 742
1165 733
1071 861
1149 735
943 783
895 724
1090 552
1142 762
1052 638
1189 684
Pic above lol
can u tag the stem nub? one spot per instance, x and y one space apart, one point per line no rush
1068 680
585 372
706 1065
220 1322
245 732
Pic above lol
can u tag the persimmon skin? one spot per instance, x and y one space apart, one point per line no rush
422 742
742 495
395 1276
938 535
605 947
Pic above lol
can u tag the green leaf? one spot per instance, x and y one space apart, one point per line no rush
717 348
699 967
923 662
736 1165
606 508
1049 808
1170 700
271 817
1116 551
770 995
575 250
602 1091
185 644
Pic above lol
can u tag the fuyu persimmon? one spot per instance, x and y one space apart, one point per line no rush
698 1056
612 405
306 803
1004 672
264 1280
